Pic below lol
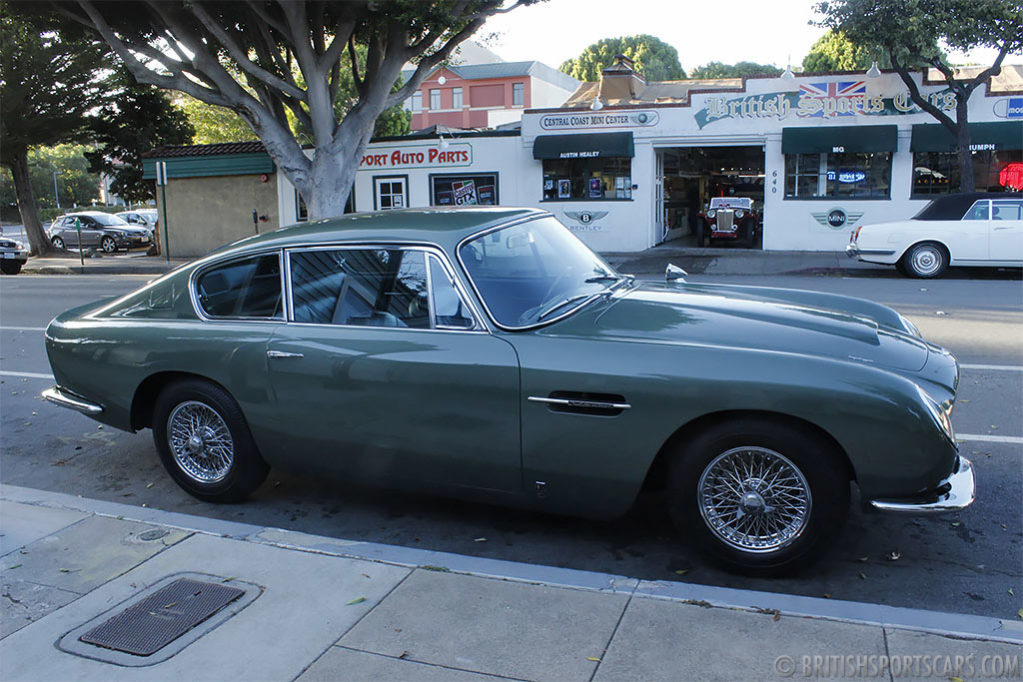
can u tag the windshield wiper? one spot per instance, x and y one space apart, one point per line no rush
562 304
602 278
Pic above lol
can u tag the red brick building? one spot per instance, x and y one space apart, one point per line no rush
487 95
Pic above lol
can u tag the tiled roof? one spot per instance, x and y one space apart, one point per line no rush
167 151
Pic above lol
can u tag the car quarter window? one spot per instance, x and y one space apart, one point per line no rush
979 211
1006 209
449 309
249 288
360 287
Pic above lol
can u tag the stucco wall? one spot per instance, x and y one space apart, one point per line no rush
205 213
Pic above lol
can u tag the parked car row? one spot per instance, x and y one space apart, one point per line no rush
105 231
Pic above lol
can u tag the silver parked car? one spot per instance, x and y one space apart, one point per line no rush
140 217
99 230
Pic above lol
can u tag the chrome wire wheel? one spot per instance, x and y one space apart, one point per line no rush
926 260
200 441
754 499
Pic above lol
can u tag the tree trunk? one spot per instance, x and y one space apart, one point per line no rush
966 180
332 176
38 243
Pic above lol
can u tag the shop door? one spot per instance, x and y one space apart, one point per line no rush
390 192
659 207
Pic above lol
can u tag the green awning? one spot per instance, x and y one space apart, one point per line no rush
583 146
839 139
200 166
934 137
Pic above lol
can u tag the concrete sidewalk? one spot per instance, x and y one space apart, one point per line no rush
651 262
318 608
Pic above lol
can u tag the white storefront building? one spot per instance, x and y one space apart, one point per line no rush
819 155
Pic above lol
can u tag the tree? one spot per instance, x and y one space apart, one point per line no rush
213 124
834 51
243 56
58 175
48 84
909 33
654 58
737 70
136 119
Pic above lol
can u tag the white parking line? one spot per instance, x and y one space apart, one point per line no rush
22 329
25 375
1015 440
995 368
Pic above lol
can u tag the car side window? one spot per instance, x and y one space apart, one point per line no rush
360 287
979 211
1006 209
449 309
249 288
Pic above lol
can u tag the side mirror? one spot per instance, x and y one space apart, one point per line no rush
674 273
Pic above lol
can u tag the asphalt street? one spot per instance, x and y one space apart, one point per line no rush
968 562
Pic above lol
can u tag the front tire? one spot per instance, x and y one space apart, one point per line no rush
925 261
58 243
10 267
205 444
108 245
757 497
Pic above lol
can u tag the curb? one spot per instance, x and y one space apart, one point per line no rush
962 626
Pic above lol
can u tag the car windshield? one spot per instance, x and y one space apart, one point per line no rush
535 271
108 219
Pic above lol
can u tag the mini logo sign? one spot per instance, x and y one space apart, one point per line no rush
1011 107
837 218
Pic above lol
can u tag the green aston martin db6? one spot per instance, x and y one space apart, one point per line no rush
486 353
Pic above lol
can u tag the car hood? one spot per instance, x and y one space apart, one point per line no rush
755 318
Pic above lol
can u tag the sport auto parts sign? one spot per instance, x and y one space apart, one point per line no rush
421 156
817 100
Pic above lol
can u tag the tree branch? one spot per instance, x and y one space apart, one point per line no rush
920 100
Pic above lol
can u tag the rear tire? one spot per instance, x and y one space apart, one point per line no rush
757 497
926 260
205 443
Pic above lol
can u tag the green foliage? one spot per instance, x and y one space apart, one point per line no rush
834 51
737 70
655 59
136 119
75 184
212 124
49 82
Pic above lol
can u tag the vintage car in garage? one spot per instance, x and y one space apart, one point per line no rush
980 229
488 354
728 219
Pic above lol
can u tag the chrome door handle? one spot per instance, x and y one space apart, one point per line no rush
282 354
999 229
591 404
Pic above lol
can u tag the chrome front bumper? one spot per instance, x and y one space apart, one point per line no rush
852 250
954 493
59 396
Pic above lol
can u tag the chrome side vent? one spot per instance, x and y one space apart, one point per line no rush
576 402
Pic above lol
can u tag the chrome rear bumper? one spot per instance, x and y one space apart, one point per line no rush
59 396
954 493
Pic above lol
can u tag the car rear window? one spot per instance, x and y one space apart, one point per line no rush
248 288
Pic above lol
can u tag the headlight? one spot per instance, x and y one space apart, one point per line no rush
739 213
939 415
711 213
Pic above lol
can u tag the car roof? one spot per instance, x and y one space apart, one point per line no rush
954 206
442 226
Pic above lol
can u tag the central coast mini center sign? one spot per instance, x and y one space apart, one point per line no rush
453 155
599 121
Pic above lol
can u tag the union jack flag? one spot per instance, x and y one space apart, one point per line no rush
835 90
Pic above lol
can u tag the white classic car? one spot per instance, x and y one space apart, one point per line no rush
974 229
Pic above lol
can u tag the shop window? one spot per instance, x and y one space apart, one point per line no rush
417 101
456 98
600 179
463 190
518 94
861 175
938 172
435 99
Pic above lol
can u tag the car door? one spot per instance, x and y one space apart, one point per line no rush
1007 230
385 371
90 232
969 239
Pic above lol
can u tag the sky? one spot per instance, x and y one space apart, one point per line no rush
764 31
